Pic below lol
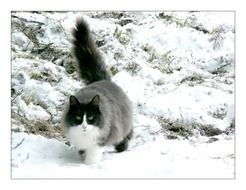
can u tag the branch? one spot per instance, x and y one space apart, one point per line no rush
16 146
25 20
18 94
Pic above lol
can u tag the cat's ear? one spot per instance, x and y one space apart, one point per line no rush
95 100
73 101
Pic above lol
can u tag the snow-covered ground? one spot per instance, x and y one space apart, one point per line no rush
176 67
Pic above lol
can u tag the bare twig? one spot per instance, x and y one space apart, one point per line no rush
25 20
16 146
27 157
18 94
182 119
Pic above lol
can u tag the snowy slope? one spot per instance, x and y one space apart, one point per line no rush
176 67
38 157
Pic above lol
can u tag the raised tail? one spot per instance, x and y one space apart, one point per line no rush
90 63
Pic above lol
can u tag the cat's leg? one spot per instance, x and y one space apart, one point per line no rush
82 154
93 155
123 145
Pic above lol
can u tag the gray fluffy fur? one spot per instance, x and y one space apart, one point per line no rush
114 105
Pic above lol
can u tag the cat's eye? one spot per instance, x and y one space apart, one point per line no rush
90 118
78 117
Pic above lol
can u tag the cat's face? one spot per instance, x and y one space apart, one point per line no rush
85 116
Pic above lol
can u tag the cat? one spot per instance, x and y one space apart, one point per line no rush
100 114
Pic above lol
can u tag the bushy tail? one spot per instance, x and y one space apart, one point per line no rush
90 63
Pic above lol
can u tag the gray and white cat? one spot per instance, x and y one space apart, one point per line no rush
99 114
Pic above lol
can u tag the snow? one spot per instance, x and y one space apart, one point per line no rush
174 74
33 112
159 159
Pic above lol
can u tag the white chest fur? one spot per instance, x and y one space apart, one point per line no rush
84 135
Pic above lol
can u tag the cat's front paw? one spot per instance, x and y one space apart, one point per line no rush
82 154
93 155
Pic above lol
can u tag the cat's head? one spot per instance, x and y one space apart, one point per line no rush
83 115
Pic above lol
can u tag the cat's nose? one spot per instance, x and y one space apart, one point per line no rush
83 127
